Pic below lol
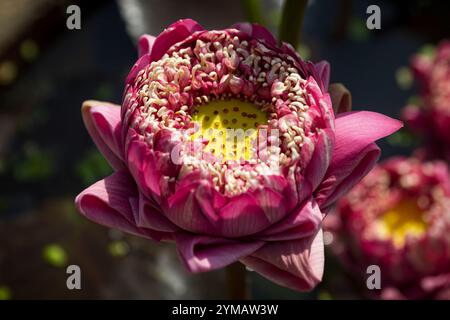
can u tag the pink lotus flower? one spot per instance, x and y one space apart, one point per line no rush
217 205
431 118
398 217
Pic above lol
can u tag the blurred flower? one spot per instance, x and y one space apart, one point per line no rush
398 217
431 117
259 199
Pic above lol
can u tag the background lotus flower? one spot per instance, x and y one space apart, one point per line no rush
398 217
431 118
218 210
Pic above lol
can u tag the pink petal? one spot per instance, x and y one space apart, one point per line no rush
286 188
184 211
175 33
320 102
109 203
142 62
151 217
354 153
142 165
209 200
323 70
321 158
257 31
203 253
297 265
145 44
102 120
301 223
272 203
334 187
242 216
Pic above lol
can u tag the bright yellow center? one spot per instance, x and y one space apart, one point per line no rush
231 127
402 220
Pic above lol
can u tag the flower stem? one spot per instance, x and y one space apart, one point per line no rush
238 288
292 21
252 11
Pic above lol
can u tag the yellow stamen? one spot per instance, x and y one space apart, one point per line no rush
231 127
405 219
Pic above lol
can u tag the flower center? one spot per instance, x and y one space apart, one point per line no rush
231 128
249 106
405 219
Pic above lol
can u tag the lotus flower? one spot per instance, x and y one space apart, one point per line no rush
398 217
258 201
431 118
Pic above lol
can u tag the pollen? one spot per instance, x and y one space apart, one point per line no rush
230 128
403 220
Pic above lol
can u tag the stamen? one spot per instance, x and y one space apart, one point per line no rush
230 89
227 128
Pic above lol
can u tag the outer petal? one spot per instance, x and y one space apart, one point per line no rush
202 253
341 98
257 31
294 264
153 49
273 203
183 210
109 202
321 158
142 165
143 61
150 216
323 70
301 223
335 186
197 207
242 216
176 32
102 120
145 44
285 187
354 153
